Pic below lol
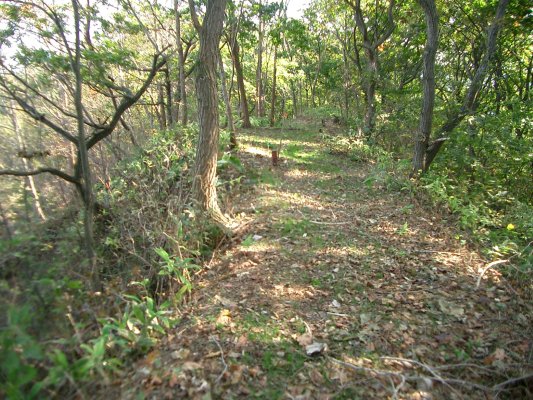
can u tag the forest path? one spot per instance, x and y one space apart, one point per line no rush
334 253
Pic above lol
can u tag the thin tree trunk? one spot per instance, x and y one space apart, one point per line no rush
29 179
168 92
428 83
371 43
205 166
225 95
5 222
273 99
235 56
181 66
82 146
162 110
294 100
259 71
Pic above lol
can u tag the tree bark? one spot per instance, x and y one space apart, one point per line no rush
181 62
204 172
259 71
273 99
428 83
236 58
371 43
229 114
82 144
27 165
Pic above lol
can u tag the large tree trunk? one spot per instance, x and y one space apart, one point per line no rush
205 166
181 60
428 83
471 99
235 56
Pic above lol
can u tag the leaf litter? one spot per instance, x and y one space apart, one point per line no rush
340 294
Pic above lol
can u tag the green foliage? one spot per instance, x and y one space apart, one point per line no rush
489 186
19 355
179 270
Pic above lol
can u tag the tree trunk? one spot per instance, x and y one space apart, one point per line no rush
82 145
428 83
205 166
229 114
471 100
259 71
273 99
370 94
161 104
371 42
168 92
294 100
181 66
27 165
235 56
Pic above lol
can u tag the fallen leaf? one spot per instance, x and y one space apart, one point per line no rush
191 366
335 304
315 348
225 302
224 318
242 342
305 340
365 318
316 377
180 354
450 308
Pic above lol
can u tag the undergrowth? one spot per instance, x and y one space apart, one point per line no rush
58 335
494 209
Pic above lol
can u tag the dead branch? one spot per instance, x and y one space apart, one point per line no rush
489 266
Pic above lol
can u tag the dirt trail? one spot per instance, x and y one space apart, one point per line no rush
329 256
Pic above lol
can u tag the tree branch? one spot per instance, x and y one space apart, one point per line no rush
32 112
126 103
194 16
53 171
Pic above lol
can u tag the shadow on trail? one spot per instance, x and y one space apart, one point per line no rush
372 274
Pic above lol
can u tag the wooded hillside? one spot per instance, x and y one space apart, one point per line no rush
250 198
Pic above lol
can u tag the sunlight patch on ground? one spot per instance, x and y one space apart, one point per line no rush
291 292
261 246
294 199
257 151
301 173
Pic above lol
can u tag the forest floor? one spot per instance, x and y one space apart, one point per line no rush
373 281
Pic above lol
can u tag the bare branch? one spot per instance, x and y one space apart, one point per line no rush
53 171
32 112
127 102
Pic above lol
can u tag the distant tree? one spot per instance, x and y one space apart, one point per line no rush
423 133
374 33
